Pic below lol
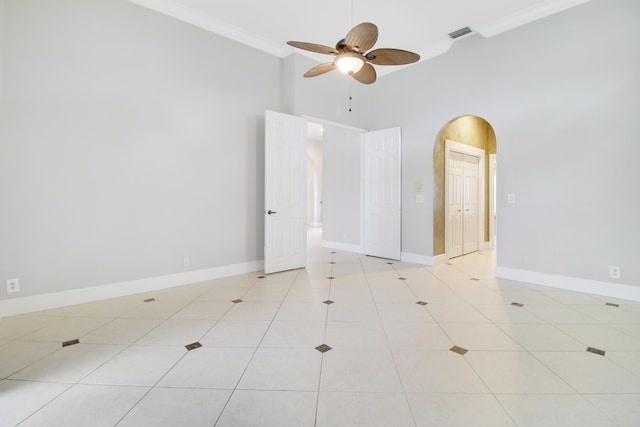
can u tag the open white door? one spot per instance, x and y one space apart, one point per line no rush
285 169
382 197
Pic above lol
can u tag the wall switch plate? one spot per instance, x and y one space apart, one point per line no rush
13 285
419 198
186 262
614 271
511 199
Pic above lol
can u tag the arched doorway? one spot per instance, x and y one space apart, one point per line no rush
477 134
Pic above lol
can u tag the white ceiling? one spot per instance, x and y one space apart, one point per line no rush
421 26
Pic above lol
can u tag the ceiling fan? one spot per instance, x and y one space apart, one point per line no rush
352 56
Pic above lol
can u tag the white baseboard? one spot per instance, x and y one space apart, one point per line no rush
347 247
425 259
41 302
607 289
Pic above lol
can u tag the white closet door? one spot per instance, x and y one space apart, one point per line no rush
471 204
455 197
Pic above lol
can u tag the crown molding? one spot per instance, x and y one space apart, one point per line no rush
509 22
206 22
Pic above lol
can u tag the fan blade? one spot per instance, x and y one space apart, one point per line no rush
362 37
320 69
392 57
366 75
312 47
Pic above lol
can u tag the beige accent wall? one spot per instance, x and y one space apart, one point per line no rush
469 130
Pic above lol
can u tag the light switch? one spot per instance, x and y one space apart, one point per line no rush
419 198
511 199
419 185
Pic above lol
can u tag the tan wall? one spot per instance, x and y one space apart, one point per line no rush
469 130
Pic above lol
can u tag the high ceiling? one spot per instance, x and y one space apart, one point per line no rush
421 26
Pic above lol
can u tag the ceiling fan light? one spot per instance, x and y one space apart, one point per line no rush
349 63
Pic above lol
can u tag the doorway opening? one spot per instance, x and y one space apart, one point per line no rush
314 181
464 164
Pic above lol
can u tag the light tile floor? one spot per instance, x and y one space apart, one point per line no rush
390 361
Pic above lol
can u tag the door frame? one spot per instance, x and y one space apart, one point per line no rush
472 151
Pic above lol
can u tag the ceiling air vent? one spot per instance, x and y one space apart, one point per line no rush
461 32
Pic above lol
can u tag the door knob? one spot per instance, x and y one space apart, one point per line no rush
270 212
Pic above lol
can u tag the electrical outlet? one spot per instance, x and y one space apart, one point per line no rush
13 285
511 199
186 262
614 271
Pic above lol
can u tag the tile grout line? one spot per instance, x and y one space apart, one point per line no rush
324 340
235 388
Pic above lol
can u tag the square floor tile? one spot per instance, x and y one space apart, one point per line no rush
353 312
137 366
88 405
455 410
302 311
209 367
437 372
628 360
479 336
416 335
252 310
602 336
22 398
621 408
283 369
66 329
236 333
559 314
359 370
158 309
455 313
570 297
15 327
177 332
608 314
543 410
410 312
508 314
306 294
362 335
359 296
294 334
515 372
270 409
208 310
222 294
396 295
20 354
121 331
363 409
169 407
536 337
69 364
590 373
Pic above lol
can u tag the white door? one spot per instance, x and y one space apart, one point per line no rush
285 170
464 205
471 218
455 198
382 197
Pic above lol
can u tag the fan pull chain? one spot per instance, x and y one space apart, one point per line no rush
350 98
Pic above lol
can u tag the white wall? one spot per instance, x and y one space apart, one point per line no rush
563 96
128 141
